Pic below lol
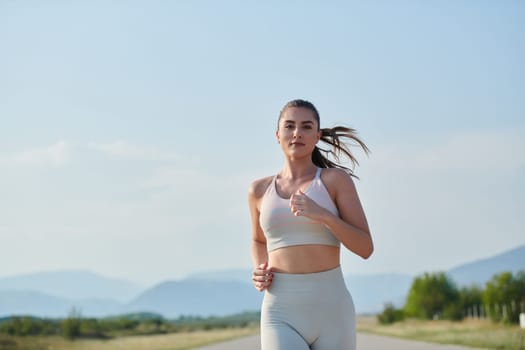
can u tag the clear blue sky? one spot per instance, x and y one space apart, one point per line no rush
131 130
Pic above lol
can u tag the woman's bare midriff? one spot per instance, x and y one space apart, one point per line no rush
304 258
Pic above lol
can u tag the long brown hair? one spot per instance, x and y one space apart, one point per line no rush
333 137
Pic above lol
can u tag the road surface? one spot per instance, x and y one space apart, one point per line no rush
364 342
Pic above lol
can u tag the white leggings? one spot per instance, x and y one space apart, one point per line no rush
308 311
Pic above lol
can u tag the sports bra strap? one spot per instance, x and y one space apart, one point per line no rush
318 173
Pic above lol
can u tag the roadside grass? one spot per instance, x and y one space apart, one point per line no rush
472 333
172 341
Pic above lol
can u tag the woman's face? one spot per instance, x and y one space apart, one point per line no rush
298 132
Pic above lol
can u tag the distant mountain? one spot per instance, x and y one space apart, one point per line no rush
197 297
240 275
372 292
480 271
74 284
207 293
32 303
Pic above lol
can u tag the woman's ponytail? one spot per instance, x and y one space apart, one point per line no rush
339 148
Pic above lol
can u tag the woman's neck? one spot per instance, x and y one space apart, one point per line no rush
297 169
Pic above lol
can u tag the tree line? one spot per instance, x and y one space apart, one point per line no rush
76 326
436 296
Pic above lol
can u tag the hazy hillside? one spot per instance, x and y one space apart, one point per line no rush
73 285
371 292
480 271
197 297
240 275
219 293
18 302
31 303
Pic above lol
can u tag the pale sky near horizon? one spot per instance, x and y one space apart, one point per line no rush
131 130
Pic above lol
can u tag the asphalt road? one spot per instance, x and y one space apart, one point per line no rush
364 342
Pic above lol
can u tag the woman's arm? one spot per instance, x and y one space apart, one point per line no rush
350 227
261 276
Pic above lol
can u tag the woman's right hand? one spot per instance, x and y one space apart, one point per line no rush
262 277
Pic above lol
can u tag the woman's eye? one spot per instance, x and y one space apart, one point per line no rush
308 127
289 126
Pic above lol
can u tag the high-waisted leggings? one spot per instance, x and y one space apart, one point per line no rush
308 311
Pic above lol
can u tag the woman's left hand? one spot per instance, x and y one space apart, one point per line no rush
302 205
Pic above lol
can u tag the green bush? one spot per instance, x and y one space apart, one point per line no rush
75 326
71 326
505 295
24 326
430 295
390 315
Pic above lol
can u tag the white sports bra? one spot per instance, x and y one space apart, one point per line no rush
283 229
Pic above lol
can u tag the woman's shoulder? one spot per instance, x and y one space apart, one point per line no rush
258 187
335 175
336 180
